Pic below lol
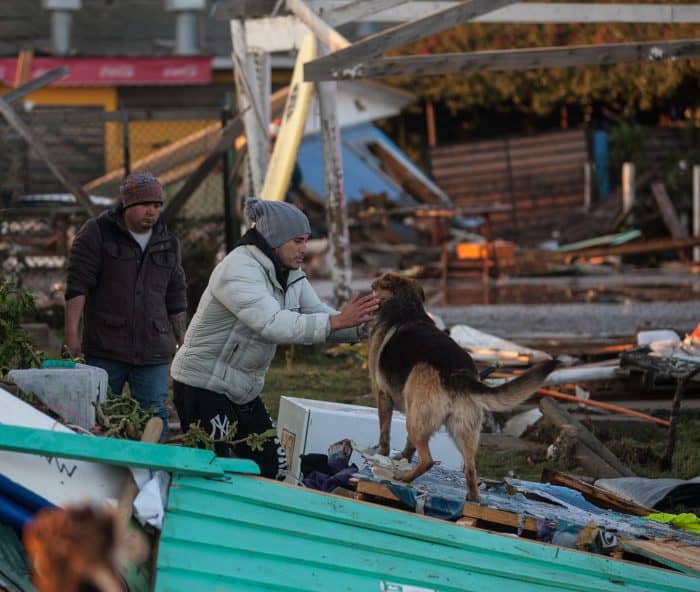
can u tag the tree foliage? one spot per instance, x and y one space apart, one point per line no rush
625 88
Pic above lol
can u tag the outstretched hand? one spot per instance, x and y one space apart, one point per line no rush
358 310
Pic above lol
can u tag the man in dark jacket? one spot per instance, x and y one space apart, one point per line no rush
125 279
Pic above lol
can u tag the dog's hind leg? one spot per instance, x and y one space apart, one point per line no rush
465 428
421 438
424 416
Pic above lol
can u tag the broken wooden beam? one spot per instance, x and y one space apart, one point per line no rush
326 34
63 176
596 495
38 83
590 449
375 45
502 60
652 245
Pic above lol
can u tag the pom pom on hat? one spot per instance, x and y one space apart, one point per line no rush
277 221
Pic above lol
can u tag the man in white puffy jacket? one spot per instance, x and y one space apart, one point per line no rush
257 298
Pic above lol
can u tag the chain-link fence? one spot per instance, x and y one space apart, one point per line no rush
39 216
97 148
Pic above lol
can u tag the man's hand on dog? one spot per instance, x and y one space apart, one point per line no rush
358 310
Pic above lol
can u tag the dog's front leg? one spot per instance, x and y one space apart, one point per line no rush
385 407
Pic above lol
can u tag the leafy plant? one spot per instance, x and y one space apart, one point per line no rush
121 417
16 348
628 142
625 88
196 437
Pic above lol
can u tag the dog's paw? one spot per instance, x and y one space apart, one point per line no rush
404 475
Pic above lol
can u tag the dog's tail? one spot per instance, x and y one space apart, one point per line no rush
509 394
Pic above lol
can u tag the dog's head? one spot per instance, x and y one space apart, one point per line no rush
392 285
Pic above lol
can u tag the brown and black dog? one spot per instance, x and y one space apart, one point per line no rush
416 368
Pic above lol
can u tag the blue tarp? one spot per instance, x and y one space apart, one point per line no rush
361 169
440 493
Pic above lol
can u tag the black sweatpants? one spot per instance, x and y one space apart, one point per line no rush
215 412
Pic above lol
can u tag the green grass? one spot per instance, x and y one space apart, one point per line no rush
311 373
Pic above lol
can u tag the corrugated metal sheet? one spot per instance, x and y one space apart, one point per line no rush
541 176
245 533
363 172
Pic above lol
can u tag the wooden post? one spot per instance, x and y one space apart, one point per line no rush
38 147
628 187
336 211
666 461
587 185
263 72
231 233
247 87
430 123
696 210
24 66
125 505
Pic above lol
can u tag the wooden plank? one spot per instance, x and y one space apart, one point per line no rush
36 84
65 178
634 248
472 511
597 496
123 453
249 102
667 211
510 59
278 33
165 158
673 554
547 12
326 34
375 489
336 206
559 416
502 517
400 35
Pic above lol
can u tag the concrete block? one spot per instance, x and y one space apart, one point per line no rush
70 392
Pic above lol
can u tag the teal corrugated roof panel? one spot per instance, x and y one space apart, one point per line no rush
125 453
244 533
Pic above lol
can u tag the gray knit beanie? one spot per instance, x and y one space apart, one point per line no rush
277 221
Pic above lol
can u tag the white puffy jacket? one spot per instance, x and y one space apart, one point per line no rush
242 316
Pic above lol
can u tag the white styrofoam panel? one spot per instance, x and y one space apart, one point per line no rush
59 480
307 426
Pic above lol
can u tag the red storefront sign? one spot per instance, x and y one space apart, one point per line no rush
117 71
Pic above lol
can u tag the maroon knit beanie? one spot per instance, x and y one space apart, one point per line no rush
138 188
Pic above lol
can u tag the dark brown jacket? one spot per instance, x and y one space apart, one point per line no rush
129 293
